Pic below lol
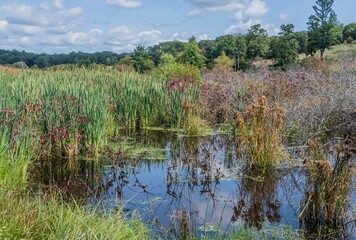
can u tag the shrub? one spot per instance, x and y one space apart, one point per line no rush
177 70
20 65
315 64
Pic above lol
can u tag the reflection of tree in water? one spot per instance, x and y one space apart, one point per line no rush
258 199
192 172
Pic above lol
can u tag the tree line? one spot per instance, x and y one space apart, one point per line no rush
237 51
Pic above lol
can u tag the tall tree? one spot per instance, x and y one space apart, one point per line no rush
349 31
192 55
257 42
321 26
284 48
141 59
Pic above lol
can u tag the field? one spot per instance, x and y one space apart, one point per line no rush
75 141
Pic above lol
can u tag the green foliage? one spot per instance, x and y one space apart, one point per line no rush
20 65
349 40
322 27
141 60
192 55
166 58
168 72
257 42
284 49
302 38
223 62
349 31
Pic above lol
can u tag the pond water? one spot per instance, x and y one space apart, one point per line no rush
198 185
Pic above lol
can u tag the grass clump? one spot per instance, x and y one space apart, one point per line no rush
23 216
260 129
324 207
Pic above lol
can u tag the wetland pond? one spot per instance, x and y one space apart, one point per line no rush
182 186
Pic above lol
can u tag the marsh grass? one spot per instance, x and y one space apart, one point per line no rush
260 130
75 112
23 216
325 205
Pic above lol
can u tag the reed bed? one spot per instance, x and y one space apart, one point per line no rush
75 112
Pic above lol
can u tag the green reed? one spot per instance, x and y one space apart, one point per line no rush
74 112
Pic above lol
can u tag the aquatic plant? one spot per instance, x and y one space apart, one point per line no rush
324 207
259 129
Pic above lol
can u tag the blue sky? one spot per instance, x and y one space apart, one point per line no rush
56 26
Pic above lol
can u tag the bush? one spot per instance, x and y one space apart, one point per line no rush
20 65
315 64
349 40
177 70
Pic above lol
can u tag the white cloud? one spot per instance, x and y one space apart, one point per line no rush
125 3
228 7
80 38
123 38
3 25
241 26
239 15
194 12
58 4
283 16
203 37
256 8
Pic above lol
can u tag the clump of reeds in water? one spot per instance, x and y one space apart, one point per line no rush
324 207
260 129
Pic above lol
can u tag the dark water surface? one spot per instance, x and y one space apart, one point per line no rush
202 183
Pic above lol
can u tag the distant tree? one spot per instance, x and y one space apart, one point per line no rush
321 26
226 44
257 42
240 52
209 50
191 55
284 48
223 62
166 58
349 31
302 38
141 60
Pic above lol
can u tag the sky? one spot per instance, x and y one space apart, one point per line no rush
62 26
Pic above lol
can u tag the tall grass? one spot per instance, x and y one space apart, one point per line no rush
23 216
325 202
260 128
60 114
74 112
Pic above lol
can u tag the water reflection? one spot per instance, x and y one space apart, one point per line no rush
201 187
202 182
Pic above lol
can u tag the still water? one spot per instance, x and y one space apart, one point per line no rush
201 185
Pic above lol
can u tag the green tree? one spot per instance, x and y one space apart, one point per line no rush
166 58
192 55
302 38
257 42
223 62
321 26
284 48
141 60
240 52
209 51
349 31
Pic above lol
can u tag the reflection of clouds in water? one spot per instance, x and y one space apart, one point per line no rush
193 165
217 211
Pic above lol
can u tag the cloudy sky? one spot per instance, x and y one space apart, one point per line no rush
55 26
